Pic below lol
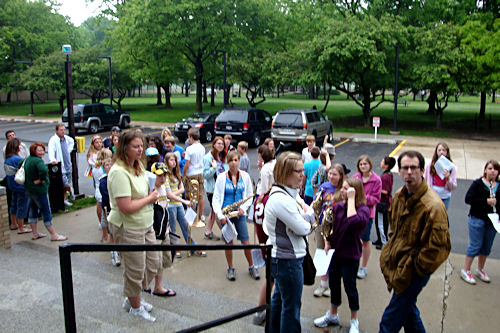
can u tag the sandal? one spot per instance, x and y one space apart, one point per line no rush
59 238
167 293
199 253
38 236
25 231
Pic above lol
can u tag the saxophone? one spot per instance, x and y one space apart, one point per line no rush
231 210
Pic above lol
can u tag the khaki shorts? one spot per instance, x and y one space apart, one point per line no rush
201 188
140 267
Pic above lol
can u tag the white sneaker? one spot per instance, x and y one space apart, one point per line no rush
321 291
354 326
141 312
467 277
362 272
67 203
126 305
327 320
115 259
259 318
482 275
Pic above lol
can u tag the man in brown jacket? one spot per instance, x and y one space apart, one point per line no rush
419 243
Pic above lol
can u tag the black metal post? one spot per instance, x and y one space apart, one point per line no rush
268 289
67 289
396 92
71 122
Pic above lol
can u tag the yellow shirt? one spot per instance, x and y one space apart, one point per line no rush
122 183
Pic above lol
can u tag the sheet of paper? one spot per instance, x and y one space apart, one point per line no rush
322 261
229 231
441 164
190 216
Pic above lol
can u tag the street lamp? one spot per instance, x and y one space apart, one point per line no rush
396 92
224 84
31 92
66 49
110 83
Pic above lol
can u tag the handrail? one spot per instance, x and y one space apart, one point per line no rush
65 251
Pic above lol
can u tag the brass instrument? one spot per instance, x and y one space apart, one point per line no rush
193 197
232 210
316 206
328 217
327 224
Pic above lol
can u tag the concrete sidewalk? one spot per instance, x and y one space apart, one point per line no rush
446 300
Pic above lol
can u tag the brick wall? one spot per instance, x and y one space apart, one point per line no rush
4 220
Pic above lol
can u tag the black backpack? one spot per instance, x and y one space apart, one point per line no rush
160 221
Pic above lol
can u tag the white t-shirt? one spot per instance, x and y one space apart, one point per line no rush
306 155
194 154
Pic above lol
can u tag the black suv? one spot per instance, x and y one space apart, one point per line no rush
246 124
95 116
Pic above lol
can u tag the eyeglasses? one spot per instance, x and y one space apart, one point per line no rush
299 171
410 167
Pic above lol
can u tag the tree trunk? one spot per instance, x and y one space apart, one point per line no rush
318 91
431 101
62 97
439 113
205 99
166 89
278 90
239 91
9 95
324 91
158 95
327 99
199 84
186 88
182 89
482 107
493 96
212 96
140 91
310 91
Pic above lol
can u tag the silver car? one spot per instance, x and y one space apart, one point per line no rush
295 124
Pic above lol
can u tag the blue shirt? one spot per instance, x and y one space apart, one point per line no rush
233 193
309 170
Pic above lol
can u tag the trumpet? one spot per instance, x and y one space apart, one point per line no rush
231 210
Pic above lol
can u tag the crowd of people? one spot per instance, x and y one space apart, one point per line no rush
132 172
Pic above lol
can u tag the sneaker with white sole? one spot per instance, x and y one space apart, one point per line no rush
327 320
115 259
467 277
254 272
362 272
67 203
482 275
230 275
322 291
354 326
141 312
126 305
259 318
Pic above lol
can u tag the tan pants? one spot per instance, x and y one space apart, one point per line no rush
140 267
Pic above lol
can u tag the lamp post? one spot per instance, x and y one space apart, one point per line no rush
224 83
31 92
396 92
66 49
110 83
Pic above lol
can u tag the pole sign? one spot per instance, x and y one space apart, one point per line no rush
376 124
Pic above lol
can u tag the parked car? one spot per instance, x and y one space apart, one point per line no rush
95 116
295 124
203 121
251 125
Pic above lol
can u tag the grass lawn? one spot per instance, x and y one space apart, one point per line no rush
458 118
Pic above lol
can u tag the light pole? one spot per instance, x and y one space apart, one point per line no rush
66 49
224 84
31 92
396 92
110 83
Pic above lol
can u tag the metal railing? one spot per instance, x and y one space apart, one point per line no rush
65 251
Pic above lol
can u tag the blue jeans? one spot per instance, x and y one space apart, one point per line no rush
19 204
39 202
286 301
402 310
177 213
481 237
365 236
446 202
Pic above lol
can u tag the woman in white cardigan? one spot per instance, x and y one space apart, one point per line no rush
230 187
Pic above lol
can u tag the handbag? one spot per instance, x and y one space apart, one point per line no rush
308 267
160 221
20 176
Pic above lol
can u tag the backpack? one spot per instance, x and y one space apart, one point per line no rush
160 221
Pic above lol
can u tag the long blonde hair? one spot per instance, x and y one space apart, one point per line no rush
92 149
175 172
102 155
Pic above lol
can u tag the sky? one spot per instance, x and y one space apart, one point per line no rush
79 10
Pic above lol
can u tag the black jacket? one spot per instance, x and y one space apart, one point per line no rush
476 197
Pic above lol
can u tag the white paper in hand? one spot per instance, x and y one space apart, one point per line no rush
322 261
190 216
442 164
229 231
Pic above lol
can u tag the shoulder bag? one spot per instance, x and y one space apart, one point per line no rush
20 176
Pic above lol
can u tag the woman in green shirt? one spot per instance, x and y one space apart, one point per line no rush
131 219
36 185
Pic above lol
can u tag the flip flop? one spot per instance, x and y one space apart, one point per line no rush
24 231
38 236
15 228
59 238
147 291
168 293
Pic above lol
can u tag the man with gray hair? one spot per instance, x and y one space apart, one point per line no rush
60 147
